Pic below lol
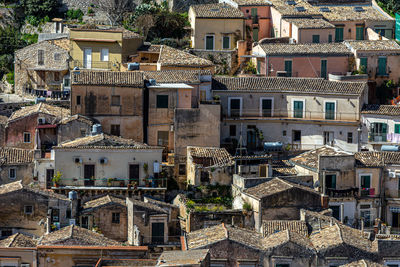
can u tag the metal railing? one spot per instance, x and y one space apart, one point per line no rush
291 114
104 65
351 192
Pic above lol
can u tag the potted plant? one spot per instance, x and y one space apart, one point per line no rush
56 178
121 183
109 181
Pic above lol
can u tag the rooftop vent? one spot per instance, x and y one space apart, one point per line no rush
300 9
291 3
324 9
358 9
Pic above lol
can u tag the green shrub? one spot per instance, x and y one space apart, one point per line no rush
34 21
10 78
247 206
74 14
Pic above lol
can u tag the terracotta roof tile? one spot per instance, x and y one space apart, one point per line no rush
174 57
374 109
328 49
285 236
148 206
175 76
76 236
77 117
273 226
253 2
11 156
114 78
63 43
18 240
373 45
283 84
18 186
210 156
362 263
58 112
377 158
103 201
182 258
217 10
309 23
105 141
3 119
309 159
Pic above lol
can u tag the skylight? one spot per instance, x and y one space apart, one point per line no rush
291 2
300 9
324 9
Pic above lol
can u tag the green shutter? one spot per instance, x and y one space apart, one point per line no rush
209 42
288 68
384 128
382 66
360 33
330 38
366 181
298 109
339 34
315 39
254 12
364 64
329 111
397 128
324 68
255 34
225 42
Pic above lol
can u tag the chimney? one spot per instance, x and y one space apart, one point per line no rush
342 212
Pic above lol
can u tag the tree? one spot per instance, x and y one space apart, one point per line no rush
145 23
115 10
39 8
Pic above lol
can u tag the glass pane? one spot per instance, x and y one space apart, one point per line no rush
288 68
298 109
329 111
226 42
324 68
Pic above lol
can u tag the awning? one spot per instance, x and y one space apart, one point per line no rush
46 126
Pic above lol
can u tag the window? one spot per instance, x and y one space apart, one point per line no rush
78 99
296 136
365 181
298 108
335 212
397 128
68 214
162 138
56 76
12 173
284 133
366 216
57 56
330 181
115 217
55 215
226 42
360 33
364 64
182 169
330 110
232 130
266 107
162 101
204 177
115 100
378 132
115 129
339 34
27 137
315 39
328 138
83 132
67 82
209 42
324 68
40 57
235 107
288 68
255 34
282 265
349 137
28 209
330 38
104 54
382 66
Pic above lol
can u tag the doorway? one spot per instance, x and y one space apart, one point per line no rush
89 174
87 58
134 173
157 233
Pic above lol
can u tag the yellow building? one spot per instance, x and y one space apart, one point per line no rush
104 49
216 26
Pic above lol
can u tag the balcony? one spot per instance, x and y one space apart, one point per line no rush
377 137
367 192
267 114
99 65
351 192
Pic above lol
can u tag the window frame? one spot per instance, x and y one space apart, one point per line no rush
350 136
30 139
231 129
116 217
379 68
116 97
360 175
316 37
293 135
57 56
104 57
179 169
205 42
40 57
272 105
78 99
229 42
291 67
229 105
15 173
157 101
28 213
396 129
117 126
303 111
334 111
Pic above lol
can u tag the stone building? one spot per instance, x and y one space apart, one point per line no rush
3 123
73 127
191 258
42 69
27 210
17 250
16 164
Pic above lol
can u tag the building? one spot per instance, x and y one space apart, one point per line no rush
302 113
16 164
73 127
115 99
192 258
33 211
208 165
216 26
42 69
18 250
34 127
309 30
102 49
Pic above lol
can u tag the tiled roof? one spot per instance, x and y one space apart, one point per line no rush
373 45
63 43
18 240
148 205
336 235
273 226
363 263
207 236
283 167
210 156
103 78
105 141
253 2
103 201
309 23
275 186
377 158
218 10
18 186
77 117
285 236
328 49
174 57
283 84
174 76
150 48
375 109
309 159
43 108
9 155
76 236
183 257
126 34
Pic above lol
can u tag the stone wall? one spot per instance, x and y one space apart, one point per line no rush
226 62
24 172
183 5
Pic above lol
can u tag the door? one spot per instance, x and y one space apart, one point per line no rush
157 233
251 139
134 173
360 33
329 111
266 107
288 68
255 34
364 64
87 58
324 68
328 138
335 212
49 177
395 219
330 180
89 174
235 107
210 42
298 109
339 34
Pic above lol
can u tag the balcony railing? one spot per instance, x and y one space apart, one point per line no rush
290 114
377 137
113 182
351 192
367 192
103 65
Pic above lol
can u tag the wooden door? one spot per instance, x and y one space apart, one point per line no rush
89 174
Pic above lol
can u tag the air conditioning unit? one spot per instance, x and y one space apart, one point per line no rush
41 121
77 160
392 174
103 161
